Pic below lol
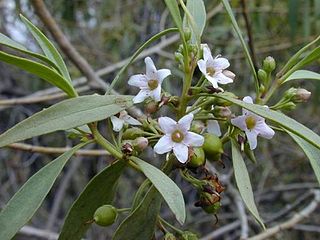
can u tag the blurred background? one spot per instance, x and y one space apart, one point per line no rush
107 32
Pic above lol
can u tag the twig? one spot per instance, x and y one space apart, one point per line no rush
298 217
53 150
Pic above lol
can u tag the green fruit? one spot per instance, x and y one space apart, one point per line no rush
212 146
197 159
212 209
105 215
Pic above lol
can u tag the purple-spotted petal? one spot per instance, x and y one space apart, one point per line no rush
193 139
167 125
151 70
252 139
184 123
164 145
181 152
139 80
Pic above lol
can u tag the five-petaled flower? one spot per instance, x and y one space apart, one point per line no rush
149 83
124 117
177 137
253 125
214 68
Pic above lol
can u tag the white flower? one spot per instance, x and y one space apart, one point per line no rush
124 117
149 83
253 125
213 68
177 137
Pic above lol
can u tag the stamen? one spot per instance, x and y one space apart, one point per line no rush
177 136
210 71
251 122
153 84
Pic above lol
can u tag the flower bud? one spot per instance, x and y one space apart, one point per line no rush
212 146
141 143
213 208
178 57
189 236
187 33
197 126
169 236
223 112
229 74
263 76
302 95
196 158
105 215
132 133
151 107
269 64
289 106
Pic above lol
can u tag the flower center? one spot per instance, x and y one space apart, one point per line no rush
153 84
210 71
250 122
177 136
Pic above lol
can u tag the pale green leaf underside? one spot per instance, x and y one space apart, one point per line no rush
28 199
167 188
243 183
303 74
65 115
173 7
312 153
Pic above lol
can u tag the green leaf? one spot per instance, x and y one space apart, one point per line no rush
136 54
312 56
197 10
4 40
173 7
140 224
243 182
167 188
279 118
141 192
65 115
99 191
28 199
48 48
312 153
40 70
303 74
243 43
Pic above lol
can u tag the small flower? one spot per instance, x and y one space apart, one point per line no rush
177 137
253 125
123 118
214 68
149 83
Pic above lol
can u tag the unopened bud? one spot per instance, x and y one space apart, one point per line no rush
187 33
178 57
263 76
229 74
223 112
169 236
141 143
302 95
189 236
289 106
269 64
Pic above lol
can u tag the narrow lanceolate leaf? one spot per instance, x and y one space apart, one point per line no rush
243 182
167 188
279 118
312 153
197 10
173 7
40 70
48 48
28 199
4 40
303 74
65 115
99 191
141 223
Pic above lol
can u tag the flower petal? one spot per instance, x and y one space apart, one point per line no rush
202 66
162 74
264 130
240 122
164 145
247 99
213 127
130 120
117 123
220 63
207 53
151 70
252 139
167 125
156 93
141 96
222 79
181 152
193 139
213 81
184 123
139 80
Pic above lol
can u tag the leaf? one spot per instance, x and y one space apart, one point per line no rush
136 54
39 70
65 115
197 10
243 182
312 56
173 7
141 192
303 74
4 40
243 43
312 153
99 191
28 199
280 118
48 48
167 188
140 224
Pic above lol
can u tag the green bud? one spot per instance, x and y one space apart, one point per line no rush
189 236
212 209
140 143
187 33
289 106
269 64
223 112
263 76
197 158
262 88
212 146
105 215
169 236
178 57
132 133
